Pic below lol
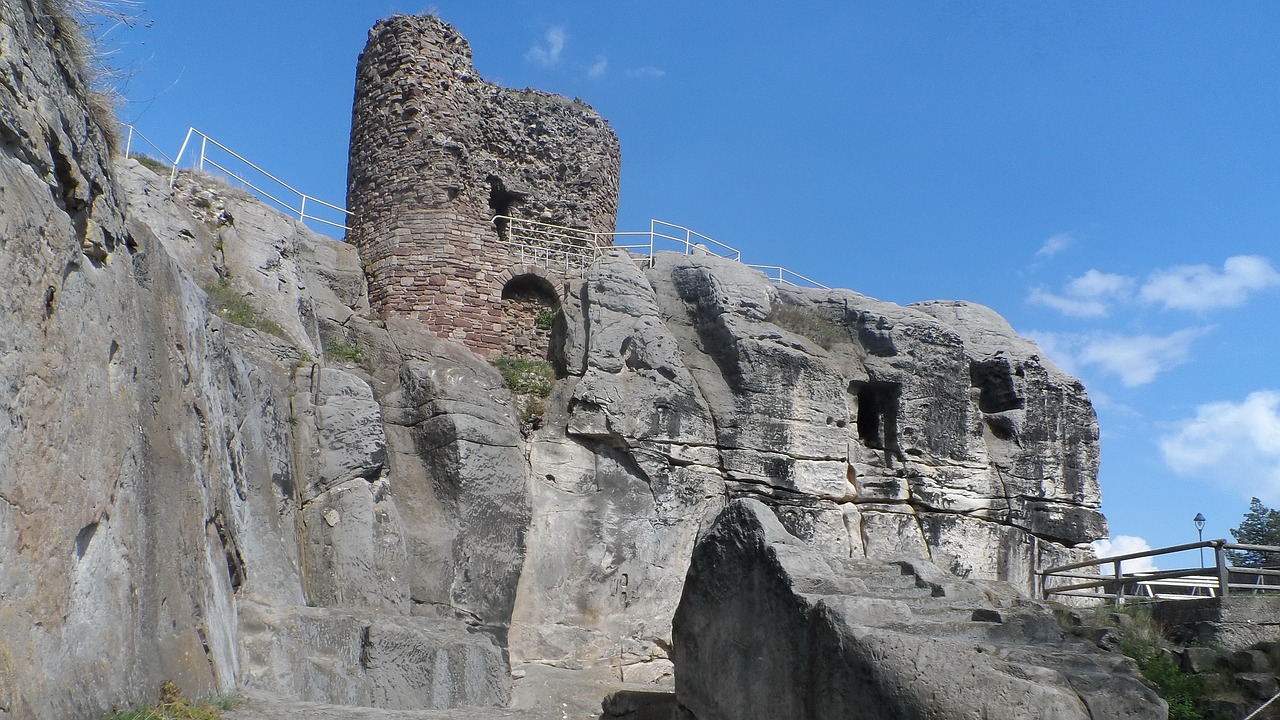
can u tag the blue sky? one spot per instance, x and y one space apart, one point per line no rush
1105 175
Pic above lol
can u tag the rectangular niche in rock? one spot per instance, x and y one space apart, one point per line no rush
877 414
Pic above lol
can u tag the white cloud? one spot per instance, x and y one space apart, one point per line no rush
1200 287
648 71
1055 245
1235 445
1124 545
1085 296
1135 359
599 67
1096 284
1069 306
1138 359
548 55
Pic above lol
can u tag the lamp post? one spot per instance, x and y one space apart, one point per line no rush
1199 521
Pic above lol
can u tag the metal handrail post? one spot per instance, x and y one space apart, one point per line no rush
128 141
302 208
204 143
173 174
1224 576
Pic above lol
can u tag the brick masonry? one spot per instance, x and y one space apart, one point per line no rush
436 152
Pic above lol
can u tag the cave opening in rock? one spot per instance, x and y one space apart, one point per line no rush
877 414
997 389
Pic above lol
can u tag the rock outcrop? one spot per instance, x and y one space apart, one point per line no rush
872 430
197 486
768 627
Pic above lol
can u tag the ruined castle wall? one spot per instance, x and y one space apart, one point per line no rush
436 152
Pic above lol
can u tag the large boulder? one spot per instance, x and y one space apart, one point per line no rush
768 627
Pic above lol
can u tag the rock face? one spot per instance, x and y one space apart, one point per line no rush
190 492
930 431
768 627
436 152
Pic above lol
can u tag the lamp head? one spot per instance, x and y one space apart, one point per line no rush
1199 521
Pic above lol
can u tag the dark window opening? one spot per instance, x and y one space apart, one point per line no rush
996 389
501 203
877 419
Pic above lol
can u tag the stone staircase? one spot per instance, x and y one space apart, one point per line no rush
771 627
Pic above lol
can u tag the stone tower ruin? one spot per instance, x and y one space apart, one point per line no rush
436 154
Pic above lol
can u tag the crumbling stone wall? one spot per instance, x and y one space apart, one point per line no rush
436 152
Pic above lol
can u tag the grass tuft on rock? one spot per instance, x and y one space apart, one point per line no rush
526 377
1142 639
234 307
155 165
173 706
804 320
343 352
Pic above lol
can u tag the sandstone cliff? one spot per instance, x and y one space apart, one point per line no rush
192 490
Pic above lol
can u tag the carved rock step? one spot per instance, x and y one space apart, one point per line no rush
365 658
752 640
539 692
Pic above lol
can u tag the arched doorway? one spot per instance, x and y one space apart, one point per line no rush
530 305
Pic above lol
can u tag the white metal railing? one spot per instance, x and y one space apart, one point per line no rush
782 276
302 199
135 132
532 242
572 249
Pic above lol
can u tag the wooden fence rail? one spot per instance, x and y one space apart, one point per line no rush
1103 578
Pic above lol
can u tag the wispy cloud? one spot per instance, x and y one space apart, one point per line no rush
647 71
1069 306
548 53
1138 359
1085 296
1201 287
1124 545
1135 359
1235 445
1055 245
599 67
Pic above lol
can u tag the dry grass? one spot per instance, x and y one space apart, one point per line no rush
81 26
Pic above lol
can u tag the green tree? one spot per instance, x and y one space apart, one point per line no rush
1260 526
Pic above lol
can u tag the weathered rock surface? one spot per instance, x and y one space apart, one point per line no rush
768 627
184 497
370 659
458 460
871 430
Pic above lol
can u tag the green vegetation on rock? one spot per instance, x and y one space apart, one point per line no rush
343 352
234 307
155 165
806 321
526 377
1142 639
531 382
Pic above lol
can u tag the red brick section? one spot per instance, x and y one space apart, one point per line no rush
435 152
